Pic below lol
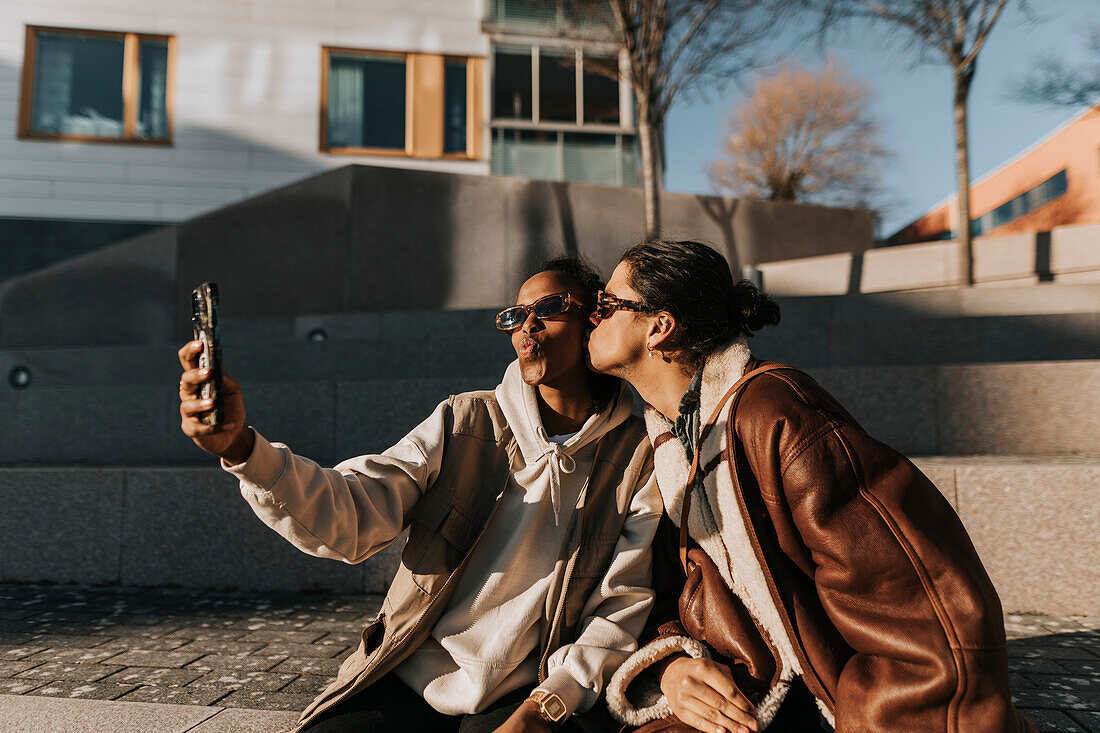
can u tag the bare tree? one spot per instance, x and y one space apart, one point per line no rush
677 45
956 31
1056 84
803 135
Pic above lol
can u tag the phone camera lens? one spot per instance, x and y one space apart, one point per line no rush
19 377
317 334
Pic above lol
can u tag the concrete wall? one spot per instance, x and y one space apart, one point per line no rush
371 239
1065 254
247 99
190 527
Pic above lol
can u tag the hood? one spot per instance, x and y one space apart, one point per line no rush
520 406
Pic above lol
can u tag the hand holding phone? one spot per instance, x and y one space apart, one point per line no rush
211 405
204 320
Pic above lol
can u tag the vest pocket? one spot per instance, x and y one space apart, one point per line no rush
595 556
372 635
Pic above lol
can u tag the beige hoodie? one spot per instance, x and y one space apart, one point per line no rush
486 642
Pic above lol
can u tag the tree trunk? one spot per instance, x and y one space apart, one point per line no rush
963 78
651 170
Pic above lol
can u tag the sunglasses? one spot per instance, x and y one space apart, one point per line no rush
608 304
547 306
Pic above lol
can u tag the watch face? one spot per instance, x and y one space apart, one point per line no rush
554 707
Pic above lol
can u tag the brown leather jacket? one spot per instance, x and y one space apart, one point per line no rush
893 619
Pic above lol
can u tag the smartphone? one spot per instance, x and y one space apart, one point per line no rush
204 320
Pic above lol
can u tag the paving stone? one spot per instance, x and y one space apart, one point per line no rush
87 691
16 638
86 641
226 648
143 632
206 633
141 658
308 685
259 700
1089 719
1052 652
341 638
266 681
69 672
248 721
10 669
254 663
1065 682
279 635
1052 721
74 654
20 687
12 652
1059 700
1080 666
130 643
154 676
322 667
267 624
175 695
1037 665
302 650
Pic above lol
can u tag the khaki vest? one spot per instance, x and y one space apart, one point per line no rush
446 523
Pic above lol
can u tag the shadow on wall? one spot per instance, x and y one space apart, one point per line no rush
121 294
548 226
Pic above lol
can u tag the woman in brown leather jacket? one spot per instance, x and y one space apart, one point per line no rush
829 583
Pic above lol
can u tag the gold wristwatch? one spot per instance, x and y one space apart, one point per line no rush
550 706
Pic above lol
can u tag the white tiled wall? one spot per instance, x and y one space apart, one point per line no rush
247 99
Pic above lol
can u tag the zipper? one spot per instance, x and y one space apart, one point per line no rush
341 696
556 621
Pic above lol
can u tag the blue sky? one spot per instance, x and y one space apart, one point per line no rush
912 102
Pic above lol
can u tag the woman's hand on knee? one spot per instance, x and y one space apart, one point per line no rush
702 694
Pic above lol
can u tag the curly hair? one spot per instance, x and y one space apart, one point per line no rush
693 283
578 269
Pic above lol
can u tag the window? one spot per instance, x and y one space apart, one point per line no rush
558 114
404 104
97 86
571 86
1026 202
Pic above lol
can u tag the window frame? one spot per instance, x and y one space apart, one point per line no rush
131 87
473 102
626 125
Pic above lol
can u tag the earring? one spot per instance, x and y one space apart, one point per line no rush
650 351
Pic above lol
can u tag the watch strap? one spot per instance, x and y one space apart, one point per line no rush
551 707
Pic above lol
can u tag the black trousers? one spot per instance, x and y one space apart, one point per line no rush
389 706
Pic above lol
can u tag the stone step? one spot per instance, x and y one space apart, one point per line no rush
801 339
145 526
1046 408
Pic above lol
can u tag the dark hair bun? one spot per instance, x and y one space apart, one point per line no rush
755 308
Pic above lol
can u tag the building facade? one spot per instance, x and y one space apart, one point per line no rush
1054 183
125 115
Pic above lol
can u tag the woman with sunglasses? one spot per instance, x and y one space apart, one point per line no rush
815 579
530 508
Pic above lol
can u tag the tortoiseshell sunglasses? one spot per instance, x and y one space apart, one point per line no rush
608 304
547 306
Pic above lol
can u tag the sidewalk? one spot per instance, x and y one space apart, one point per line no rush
79 659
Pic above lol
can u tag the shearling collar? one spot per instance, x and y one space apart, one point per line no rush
720 371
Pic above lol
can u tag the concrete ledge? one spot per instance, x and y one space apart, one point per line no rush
186 527
1004 409
1030 519
32 714
1067 254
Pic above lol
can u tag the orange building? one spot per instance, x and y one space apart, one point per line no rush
1053 183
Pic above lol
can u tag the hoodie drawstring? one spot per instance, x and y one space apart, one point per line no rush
559 463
